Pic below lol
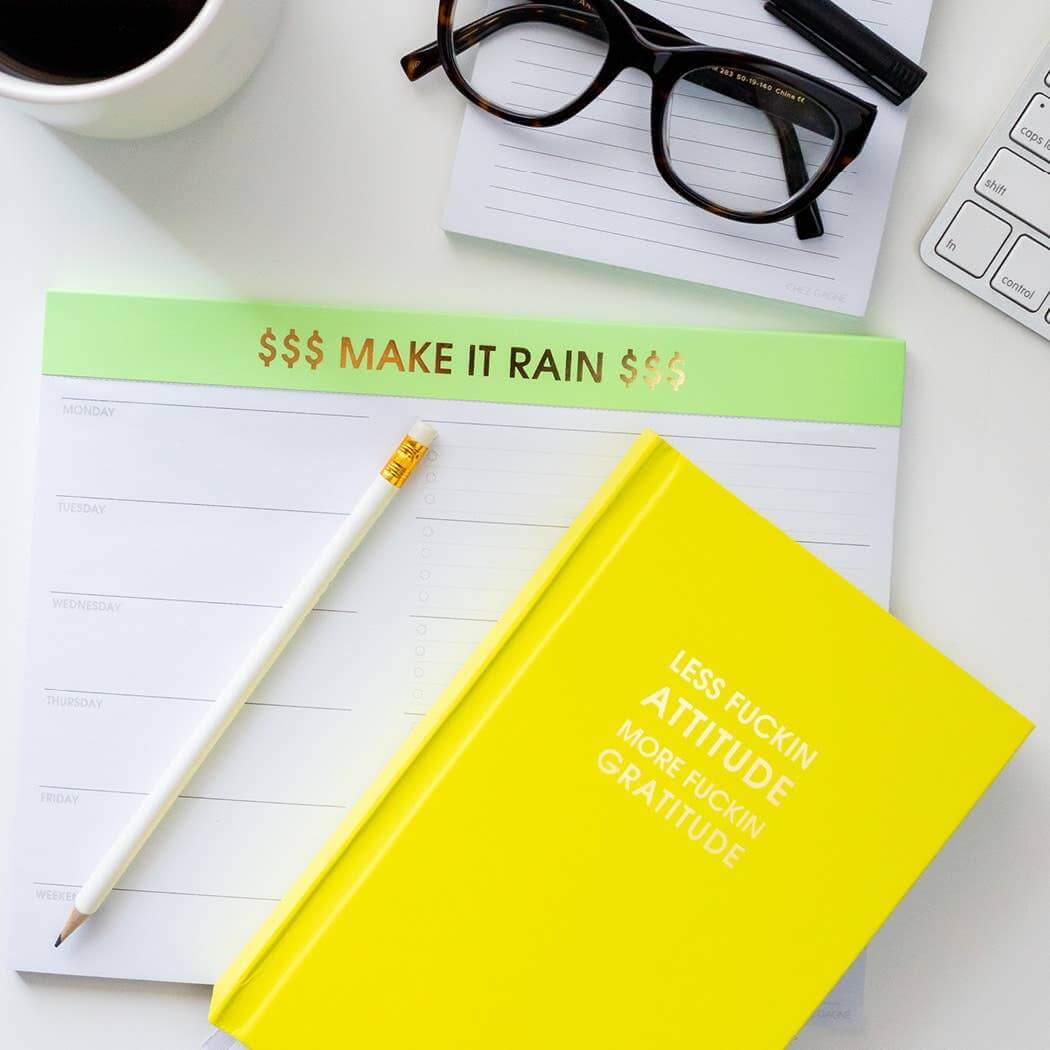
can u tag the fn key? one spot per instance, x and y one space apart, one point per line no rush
973 239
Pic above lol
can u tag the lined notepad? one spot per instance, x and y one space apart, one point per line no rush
589 188
174 515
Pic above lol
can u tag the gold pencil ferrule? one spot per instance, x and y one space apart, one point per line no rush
401 464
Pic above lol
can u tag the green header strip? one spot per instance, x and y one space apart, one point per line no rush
765 375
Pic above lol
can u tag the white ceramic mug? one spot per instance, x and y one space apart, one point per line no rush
203 67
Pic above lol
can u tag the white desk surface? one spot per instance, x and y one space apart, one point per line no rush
324 181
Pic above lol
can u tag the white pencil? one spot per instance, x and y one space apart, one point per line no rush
254 666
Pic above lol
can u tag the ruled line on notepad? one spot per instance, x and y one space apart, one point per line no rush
210 506
528 494
446 467
476 468
194 798
634 434
759 21
432 541
215 408
419 660
533 426
771 441
473 588
191 699
829 543
163 893
562 454
542 525
809 510
478 521
736 486
700 32
787 466
190 601
795 488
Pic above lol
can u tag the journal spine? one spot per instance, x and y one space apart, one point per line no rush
233 1017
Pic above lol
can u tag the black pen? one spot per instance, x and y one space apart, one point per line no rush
853 45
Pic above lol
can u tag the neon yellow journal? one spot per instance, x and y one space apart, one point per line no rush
665 804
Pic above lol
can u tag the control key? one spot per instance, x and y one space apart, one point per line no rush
1024 275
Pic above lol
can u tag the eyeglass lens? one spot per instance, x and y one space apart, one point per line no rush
529 47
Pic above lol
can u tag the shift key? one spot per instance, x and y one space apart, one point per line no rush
1018 187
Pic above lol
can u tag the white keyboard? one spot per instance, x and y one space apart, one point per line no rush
993 236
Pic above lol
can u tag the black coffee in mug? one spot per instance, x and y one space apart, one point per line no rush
78 41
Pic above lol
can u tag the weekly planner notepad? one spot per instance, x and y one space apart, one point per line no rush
589 188
664 804
194 456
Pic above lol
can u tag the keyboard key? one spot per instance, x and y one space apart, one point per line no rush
1024 276
1018 187
1033 129
973 240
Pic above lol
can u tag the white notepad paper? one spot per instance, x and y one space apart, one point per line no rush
173 518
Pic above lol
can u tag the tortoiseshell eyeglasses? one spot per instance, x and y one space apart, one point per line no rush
711 114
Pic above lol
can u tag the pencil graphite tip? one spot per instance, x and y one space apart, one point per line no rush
74 922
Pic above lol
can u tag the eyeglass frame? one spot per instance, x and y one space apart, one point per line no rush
630 33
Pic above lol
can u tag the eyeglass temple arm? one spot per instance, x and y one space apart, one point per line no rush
424 60
808 222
